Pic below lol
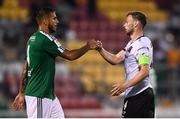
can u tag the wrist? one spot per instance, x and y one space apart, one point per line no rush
21 93
126 85
87 47
100 50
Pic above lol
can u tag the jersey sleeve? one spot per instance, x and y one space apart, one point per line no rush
53 47
142 54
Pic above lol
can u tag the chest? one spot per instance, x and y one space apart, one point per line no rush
130 54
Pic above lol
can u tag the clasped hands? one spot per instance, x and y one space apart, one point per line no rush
94 45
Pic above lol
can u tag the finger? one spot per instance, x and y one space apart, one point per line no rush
14 104
114 93
114 85
16 107
114 89
99 43
15 100
19 106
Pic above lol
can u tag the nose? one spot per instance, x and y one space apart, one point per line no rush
124 25
57 21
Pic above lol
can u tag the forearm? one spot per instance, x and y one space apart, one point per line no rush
111 58
141 75
77 53
23 77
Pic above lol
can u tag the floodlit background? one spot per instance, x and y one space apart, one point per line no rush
83 86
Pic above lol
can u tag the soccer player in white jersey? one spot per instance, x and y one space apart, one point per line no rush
37 78
137 57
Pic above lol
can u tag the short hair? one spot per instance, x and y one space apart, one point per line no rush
43 13
139 16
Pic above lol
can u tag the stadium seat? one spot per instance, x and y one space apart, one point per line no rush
116 10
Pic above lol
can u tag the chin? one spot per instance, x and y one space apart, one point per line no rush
129 33
52 31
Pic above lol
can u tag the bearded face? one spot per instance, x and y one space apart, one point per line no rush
53 22
129 25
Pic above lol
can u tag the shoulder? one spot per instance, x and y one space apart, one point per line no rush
41 35
37 36
142 44
143 41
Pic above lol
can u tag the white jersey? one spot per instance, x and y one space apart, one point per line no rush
134 49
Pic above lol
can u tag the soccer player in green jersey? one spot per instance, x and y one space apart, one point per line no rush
137 57
37 78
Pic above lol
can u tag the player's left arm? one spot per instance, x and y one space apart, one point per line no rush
144 72
144 69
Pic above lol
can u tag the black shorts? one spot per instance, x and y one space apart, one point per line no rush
139 106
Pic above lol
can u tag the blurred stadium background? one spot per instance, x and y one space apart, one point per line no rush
83 86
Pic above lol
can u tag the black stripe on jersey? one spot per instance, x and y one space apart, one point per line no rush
39 108
143 48
139 38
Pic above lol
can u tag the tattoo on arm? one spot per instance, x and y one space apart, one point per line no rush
23 77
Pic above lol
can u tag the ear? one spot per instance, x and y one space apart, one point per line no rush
136 23
45 22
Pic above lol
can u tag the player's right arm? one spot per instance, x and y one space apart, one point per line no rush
77 53
55 48
23 77
19 100
109 57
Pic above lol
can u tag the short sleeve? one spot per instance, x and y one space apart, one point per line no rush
53 47
142 52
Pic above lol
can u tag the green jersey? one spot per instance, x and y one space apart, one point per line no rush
41 52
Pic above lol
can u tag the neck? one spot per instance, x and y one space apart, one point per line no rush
136 34
44 29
